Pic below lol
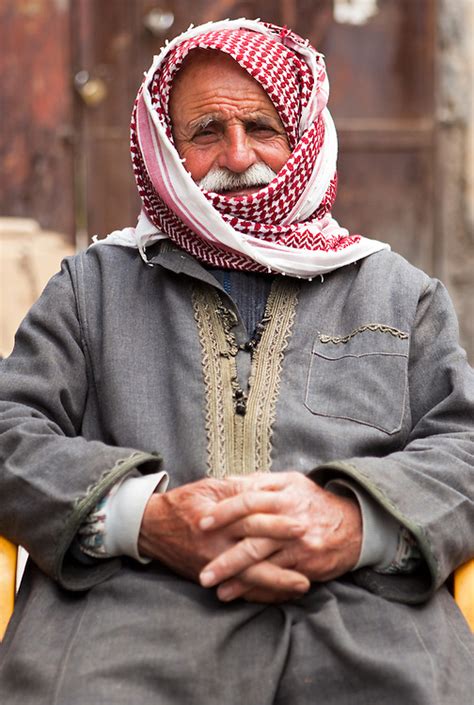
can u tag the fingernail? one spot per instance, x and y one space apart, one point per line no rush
206 522
297 529
301 587
207 578
225 594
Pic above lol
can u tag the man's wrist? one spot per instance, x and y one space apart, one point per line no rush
380 531
124 522
112 528
147 539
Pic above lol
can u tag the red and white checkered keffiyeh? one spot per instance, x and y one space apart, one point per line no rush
285 226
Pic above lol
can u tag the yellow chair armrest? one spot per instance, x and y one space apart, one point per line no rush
8 563
464 591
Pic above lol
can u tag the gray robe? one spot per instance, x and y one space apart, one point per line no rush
121 366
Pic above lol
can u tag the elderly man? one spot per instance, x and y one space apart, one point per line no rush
235 485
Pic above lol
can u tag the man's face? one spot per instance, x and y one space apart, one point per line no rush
222 118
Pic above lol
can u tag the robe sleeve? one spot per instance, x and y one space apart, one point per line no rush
51 474
428 486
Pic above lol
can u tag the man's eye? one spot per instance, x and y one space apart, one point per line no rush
205 135
263 130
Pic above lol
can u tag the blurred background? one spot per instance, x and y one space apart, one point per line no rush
401 75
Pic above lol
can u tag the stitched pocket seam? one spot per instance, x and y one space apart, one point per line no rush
347 417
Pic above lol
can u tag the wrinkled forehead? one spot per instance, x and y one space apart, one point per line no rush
207 73
283 75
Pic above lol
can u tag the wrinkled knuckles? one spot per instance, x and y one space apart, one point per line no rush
252 550
248 525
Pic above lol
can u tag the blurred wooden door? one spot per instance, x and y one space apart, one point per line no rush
382 88
70 72
36 114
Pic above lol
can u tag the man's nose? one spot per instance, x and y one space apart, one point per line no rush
237 153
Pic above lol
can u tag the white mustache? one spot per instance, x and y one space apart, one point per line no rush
220 179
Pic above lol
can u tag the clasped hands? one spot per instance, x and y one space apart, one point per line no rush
263 537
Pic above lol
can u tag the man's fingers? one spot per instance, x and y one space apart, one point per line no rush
236 559
234 508
261 481
266 577
271 526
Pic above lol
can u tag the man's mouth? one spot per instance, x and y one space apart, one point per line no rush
232 193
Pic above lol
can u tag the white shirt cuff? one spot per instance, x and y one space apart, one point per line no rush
124 512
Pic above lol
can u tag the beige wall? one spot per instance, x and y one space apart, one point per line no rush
28 258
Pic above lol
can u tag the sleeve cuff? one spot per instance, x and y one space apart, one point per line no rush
125 512
380 531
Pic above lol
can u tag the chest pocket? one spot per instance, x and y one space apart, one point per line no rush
361 376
